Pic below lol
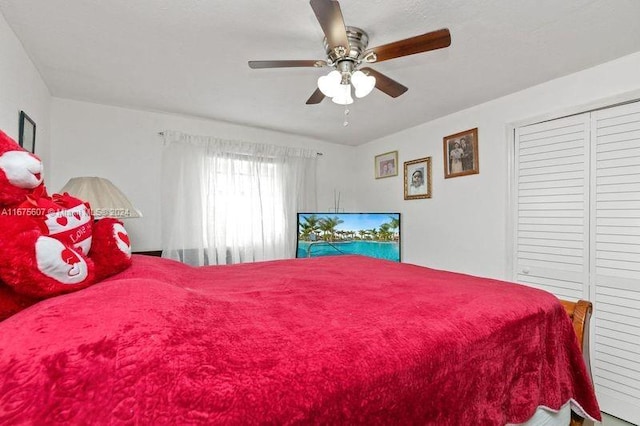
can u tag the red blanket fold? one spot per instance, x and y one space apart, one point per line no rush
340 340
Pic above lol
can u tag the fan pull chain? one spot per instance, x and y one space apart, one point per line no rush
345 123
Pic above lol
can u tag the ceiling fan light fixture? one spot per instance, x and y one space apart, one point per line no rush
346 48
343 97
329 84
362 83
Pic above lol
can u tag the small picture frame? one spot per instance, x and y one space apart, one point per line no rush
461 154
386 165
27 135
417 179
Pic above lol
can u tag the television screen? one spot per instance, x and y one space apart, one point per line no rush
334 234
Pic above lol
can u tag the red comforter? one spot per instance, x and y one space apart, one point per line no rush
327 340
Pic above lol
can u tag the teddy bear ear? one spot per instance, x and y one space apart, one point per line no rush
8 144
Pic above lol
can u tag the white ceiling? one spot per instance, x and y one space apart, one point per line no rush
190 56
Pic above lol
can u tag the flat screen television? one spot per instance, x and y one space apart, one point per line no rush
335 234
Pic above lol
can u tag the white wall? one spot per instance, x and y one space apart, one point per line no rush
464 226
123 146
22 88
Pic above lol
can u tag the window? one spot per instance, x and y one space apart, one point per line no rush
232 202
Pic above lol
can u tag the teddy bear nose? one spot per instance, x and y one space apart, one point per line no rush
69 257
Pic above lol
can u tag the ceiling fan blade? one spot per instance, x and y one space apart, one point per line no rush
385 84
409 46
316 98
286 64
330 18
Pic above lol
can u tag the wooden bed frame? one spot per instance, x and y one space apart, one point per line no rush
580 314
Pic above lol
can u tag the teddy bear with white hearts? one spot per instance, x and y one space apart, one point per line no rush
49 244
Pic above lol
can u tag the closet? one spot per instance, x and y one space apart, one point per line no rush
576 198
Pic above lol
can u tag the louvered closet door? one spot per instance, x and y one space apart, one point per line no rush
615 271
552 206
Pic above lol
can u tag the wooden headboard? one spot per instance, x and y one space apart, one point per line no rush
580 314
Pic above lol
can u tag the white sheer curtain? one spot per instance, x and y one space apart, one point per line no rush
230 202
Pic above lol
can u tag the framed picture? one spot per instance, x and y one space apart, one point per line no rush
461 154
386 165
27 137
417 179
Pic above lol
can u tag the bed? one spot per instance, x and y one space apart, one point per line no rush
334 340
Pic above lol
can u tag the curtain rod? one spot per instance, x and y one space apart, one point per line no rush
162 134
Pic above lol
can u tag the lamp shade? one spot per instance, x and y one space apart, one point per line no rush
104 198
363 83
343 95
329 84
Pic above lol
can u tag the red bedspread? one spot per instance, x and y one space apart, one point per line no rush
339 340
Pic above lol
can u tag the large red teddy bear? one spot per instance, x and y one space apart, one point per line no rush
49 245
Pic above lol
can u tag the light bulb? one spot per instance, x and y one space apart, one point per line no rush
329 84
343 97
363 83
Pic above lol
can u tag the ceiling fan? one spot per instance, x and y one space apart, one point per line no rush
346 49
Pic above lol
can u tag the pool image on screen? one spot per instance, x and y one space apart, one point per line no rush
334 234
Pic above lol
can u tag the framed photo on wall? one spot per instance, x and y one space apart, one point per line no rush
461 154
386 165
27 136
417 179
